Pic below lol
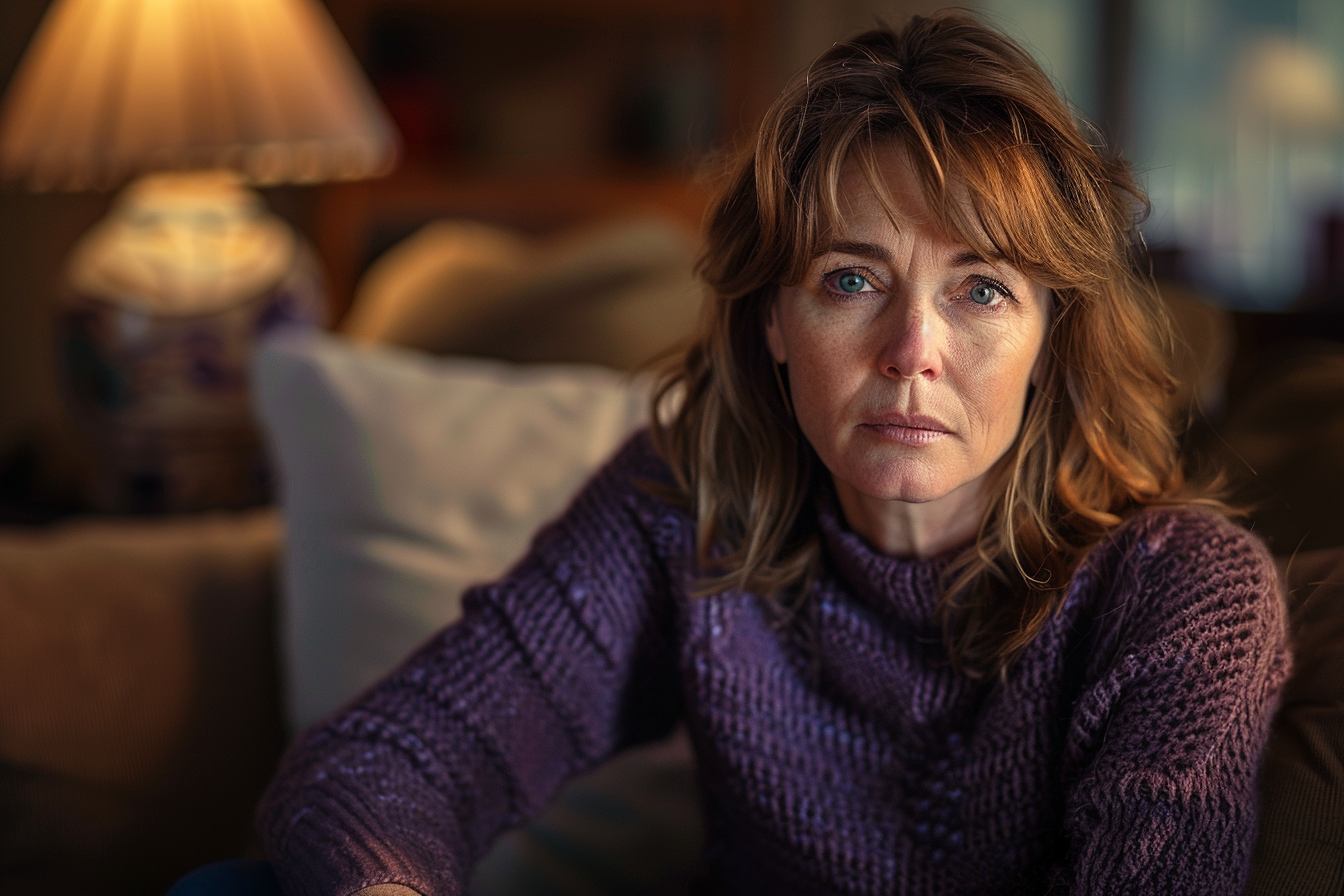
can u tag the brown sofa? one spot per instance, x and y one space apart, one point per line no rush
139 698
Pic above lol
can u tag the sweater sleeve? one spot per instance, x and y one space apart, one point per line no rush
1165 743
550 670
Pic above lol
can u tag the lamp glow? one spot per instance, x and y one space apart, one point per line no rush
113 88
160 304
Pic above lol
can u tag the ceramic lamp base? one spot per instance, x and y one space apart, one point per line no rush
161 306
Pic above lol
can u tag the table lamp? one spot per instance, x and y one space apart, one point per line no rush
161 301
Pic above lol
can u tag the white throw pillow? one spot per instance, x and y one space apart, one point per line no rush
404 479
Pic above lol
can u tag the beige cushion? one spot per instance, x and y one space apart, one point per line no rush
617 294
406 478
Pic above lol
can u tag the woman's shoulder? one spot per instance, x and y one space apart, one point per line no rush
639 458
637 474
634 490
1187 566
1190 538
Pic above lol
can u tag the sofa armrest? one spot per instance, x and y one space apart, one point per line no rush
1301 843
139 701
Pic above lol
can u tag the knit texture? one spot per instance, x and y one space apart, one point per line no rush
837 750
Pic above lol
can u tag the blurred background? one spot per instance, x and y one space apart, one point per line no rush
549 180
540 114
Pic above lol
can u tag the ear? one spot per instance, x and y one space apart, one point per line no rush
773 337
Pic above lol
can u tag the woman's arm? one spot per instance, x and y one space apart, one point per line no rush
549 671
1165 746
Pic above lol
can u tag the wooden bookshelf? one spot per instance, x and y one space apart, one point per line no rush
544 114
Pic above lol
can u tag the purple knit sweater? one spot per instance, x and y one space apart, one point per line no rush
837 754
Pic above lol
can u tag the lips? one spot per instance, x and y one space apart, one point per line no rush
906 421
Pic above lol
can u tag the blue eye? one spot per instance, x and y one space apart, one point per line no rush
851 282
848 282
983 294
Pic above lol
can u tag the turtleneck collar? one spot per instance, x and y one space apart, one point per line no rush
906 587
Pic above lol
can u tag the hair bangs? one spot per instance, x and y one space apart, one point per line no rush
996 200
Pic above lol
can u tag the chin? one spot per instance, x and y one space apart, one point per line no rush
908 494
902 481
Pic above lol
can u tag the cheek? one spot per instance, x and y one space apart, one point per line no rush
994 377
823 381
812 401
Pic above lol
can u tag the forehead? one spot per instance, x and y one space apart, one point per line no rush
880 189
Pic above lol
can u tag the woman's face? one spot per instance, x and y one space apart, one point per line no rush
909 356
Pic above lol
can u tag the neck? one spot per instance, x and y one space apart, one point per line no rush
903 529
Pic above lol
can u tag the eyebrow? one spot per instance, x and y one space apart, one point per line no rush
969 258
852 247
965 259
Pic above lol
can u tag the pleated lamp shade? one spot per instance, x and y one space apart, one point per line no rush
113 88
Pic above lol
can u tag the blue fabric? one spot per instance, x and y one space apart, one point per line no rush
236 877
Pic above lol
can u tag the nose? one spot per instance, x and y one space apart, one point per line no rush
913 342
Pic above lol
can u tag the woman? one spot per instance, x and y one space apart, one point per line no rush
909 549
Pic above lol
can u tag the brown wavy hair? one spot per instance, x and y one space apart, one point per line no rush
1004 166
